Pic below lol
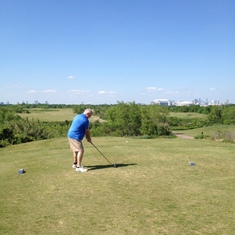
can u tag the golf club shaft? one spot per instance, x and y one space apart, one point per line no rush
101 153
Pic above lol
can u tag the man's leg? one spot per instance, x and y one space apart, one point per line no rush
75 154
79 158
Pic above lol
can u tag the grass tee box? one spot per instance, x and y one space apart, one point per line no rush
153 191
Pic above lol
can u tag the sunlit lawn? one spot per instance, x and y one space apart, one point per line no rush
153 191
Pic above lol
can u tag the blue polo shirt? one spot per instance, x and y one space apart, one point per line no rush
79 125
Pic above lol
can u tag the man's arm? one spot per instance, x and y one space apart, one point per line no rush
88 136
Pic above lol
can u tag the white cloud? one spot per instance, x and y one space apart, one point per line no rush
152 89
172 92
71 77
76 91
212 89
106 92
42 91
48 91
18 86
32 91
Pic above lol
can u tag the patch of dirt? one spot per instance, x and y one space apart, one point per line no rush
183 136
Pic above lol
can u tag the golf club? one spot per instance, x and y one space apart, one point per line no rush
104 156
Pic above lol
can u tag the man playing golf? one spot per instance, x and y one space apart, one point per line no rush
77 130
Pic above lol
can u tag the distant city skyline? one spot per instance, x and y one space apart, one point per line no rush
198 101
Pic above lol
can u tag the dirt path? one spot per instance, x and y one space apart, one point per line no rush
182 136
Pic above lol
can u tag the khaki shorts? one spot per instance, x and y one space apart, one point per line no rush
76 145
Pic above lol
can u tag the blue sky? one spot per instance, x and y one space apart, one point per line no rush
104 51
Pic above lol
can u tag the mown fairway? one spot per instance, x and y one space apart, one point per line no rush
188 115
55 114
209 130
49 114
153 191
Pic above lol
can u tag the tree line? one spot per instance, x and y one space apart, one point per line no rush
121 119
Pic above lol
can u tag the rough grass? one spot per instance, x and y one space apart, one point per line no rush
153 190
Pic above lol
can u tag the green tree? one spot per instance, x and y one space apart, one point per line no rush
228 115
125 119
215 115
154 120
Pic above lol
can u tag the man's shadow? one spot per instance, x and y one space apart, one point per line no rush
99 167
